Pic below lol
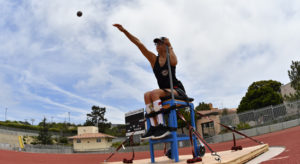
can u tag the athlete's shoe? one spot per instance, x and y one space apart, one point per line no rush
149 134
161 132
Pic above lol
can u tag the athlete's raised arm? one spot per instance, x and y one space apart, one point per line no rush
148 54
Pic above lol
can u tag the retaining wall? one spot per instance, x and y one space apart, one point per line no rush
256 131
215 139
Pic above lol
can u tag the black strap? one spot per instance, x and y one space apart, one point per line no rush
119 147
132 158
191 129
182 93
190 133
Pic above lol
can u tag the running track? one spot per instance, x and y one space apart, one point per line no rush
289 138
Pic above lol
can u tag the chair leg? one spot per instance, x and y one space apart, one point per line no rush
152 152
174 147
174 143
193 123
172 121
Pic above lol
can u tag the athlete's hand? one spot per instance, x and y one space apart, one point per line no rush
167 42
120 27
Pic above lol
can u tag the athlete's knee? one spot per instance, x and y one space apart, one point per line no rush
147 95
154 94
149 108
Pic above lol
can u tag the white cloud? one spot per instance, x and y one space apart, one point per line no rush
70 63
6 93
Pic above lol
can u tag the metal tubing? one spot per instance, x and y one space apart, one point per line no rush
170 75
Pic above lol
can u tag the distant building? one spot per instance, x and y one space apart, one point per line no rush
287 89
88 139
208 127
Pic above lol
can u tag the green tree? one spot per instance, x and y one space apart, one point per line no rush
186 114
118 131
261 94
44 136
63 129
203 106
25 122
96 117
225 112
294 75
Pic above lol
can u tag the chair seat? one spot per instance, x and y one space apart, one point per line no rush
177 98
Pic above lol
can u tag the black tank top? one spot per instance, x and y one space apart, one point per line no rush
162 75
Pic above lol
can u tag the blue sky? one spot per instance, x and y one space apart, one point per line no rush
53 63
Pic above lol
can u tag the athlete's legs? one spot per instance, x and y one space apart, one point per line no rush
153 121
156 94
149 107
161 130
153 103
155 98
147 97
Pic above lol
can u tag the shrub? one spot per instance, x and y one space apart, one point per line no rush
243 125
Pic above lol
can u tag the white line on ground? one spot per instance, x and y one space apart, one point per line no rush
279 158
272 152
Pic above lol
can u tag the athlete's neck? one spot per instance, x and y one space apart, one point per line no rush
162 55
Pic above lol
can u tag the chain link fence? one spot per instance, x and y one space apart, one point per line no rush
49 149
264 116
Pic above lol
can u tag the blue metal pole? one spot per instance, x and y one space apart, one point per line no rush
174 144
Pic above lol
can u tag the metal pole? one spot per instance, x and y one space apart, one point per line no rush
97 123
233 136
273 116
173 123
69 118
5 113
170 74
